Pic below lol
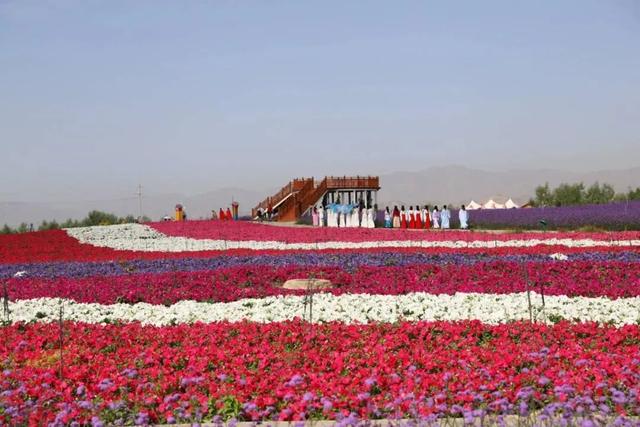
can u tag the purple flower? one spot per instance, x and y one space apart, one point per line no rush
105 384
95 422
295 381
84 404
142 419
363 396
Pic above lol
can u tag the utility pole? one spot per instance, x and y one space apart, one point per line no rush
139 193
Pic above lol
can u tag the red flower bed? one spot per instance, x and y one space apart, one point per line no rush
571 278
57 245
242 230
293 371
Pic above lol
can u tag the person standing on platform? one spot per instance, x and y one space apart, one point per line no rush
418 218
321 216
314 216
435 217
343 217
355 217
463 215
221 215
375 215
403 218
387 218
228 215
445 216
396 217
370 223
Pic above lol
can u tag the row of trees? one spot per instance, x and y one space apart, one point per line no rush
92 218
578 194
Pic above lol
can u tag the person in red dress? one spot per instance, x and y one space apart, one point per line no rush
418 218
403 218
412 218
427 217
221 215
228 215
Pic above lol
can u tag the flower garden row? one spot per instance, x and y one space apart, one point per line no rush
188 322
143 238
133 374
611 279
58 245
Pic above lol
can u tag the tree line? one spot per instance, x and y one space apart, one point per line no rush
578 194
92 218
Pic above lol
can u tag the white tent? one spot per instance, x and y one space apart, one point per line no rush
472 206
489 204
510 204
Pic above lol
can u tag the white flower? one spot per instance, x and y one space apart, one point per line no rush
559 257
20 274
142 238
348 308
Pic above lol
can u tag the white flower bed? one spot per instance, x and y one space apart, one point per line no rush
349 308
142 238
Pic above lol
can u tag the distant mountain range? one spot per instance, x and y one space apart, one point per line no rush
458 184
440 185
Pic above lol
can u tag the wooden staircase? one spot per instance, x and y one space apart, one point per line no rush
299 195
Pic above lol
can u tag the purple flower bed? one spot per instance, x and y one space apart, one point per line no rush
613 216
347 261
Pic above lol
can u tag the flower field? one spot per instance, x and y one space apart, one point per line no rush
189 322
609 216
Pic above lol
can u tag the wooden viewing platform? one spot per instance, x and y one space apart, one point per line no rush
301 194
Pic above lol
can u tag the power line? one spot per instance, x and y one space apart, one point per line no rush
139 194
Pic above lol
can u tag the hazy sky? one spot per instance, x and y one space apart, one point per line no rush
97 96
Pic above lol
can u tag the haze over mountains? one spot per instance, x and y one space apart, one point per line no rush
449 184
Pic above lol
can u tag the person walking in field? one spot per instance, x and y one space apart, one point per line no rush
445 216
412 218
463 215
418 214
396 217
426 217
403 218
387 218
435 217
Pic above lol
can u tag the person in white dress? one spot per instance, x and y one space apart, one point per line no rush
321 216
367 218
445 216
463 215
355 217
435 217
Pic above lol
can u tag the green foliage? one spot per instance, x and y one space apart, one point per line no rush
92 218
633 194
599 195
576 194
544 196
569 194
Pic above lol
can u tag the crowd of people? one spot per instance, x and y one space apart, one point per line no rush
222 215
345 215
423 218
